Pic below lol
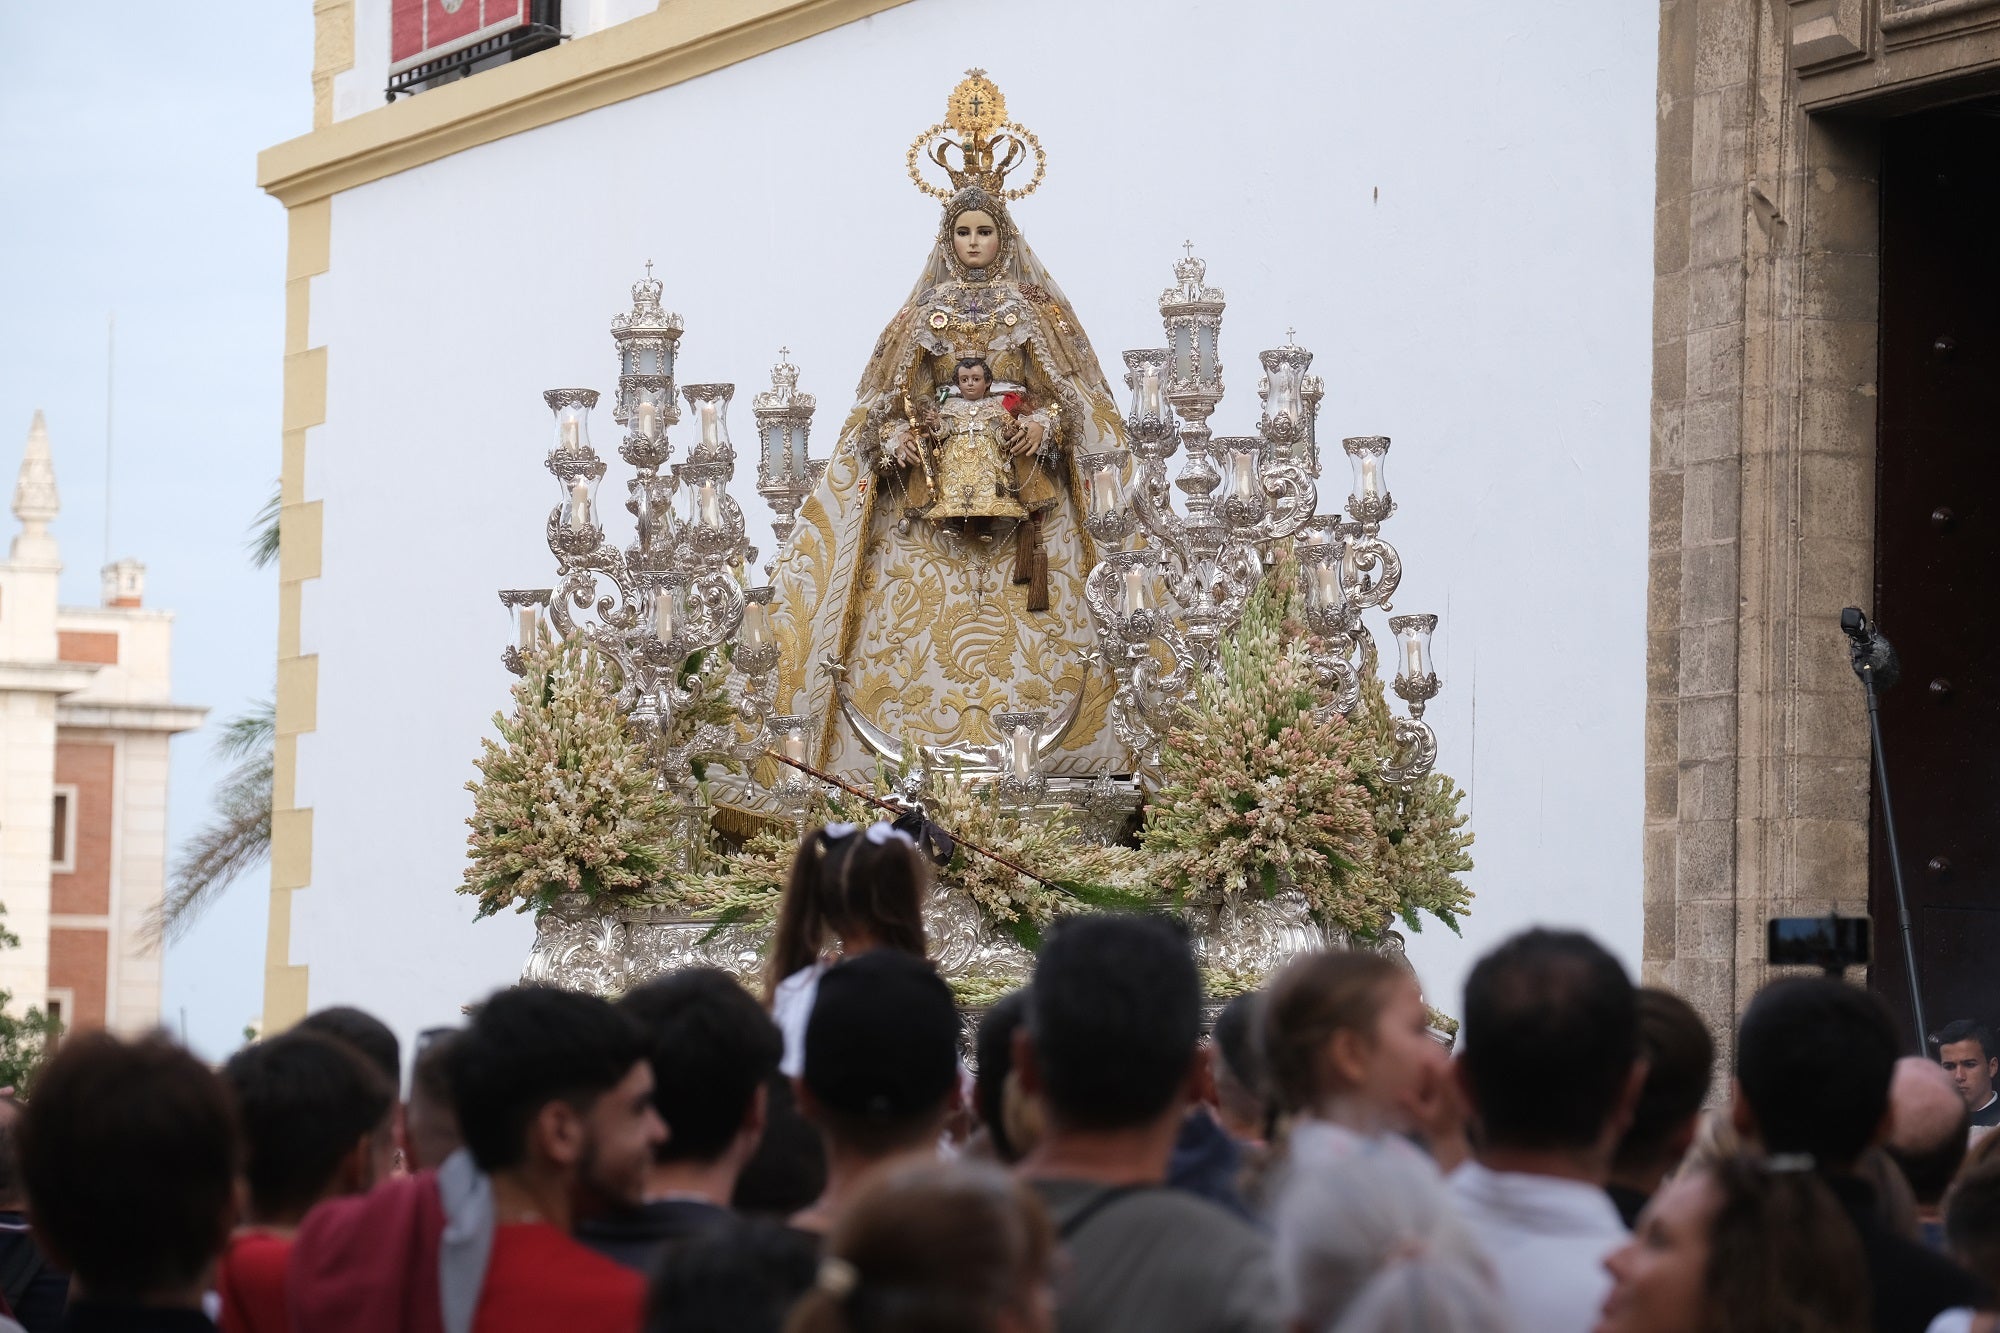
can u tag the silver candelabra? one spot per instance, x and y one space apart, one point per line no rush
1183 576
661 608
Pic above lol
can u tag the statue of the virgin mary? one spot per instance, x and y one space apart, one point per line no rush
935 579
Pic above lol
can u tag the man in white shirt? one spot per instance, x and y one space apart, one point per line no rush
1550 1067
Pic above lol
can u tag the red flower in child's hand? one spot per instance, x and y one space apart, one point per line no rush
1011 402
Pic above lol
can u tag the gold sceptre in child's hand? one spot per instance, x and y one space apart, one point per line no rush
919 430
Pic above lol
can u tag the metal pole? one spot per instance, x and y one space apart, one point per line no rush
1867 674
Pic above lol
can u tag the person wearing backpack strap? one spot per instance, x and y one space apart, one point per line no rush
1111 1050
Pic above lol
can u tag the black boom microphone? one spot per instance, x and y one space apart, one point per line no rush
1870 649
1876 663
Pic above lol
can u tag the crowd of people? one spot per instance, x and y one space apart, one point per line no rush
824 1157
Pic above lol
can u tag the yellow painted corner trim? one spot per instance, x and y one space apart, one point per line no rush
681 40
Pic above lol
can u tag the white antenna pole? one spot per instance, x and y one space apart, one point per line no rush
110 365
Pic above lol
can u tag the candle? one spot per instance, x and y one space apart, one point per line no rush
663 616
528 626
1371 477
1243 473
572 438
711 433
1135 591
1149 393
645 419
1024 753
1413 657
1283 394
794 746
579 504
1326 585
756 632
1104 490
708 506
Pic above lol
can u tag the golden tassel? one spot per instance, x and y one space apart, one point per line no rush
1038 571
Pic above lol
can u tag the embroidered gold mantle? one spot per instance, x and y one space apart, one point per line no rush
932 630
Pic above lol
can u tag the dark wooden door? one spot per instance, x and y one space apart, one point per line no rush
1937 557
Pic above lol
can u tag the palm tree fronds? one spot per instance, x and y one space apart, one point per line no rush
263 543
236 839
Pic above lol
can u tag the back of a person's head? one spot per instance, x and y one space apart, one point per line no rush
1313 997
1680 1065
931 1248
846 879
1929 1124
431 1119
1972 1221
1549 1034
1344 1215
881 1052
1241 1085
1814 1057
528 1046
1427 1294
1114 1019
712 1047
310 1106
993 1048
129 1158
1782 1254
364 1032
788 1170
1967 1029
741 1277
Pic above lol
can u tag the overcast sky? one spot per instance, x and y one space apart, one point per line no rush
128 143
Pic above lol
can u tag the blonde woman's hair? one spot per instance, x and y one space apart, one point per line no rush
933 1247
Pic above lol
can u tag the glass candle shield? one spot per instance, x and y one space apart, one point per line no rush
1281 395
1146 373
1133 594
524 625
708 409
1021 747
788 736
572 421
1105 484
755 634
1413 633
1368 456
1241 461
705 505
579 501
649 413
669 614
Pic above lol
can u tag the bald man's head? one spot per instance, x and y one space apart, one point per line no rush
1928 1127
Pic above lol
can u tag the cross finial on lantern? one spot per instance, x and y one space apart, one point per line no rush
1289 332
1189 247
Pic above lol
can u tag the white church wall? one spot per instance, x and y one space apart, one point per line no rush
1451 205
